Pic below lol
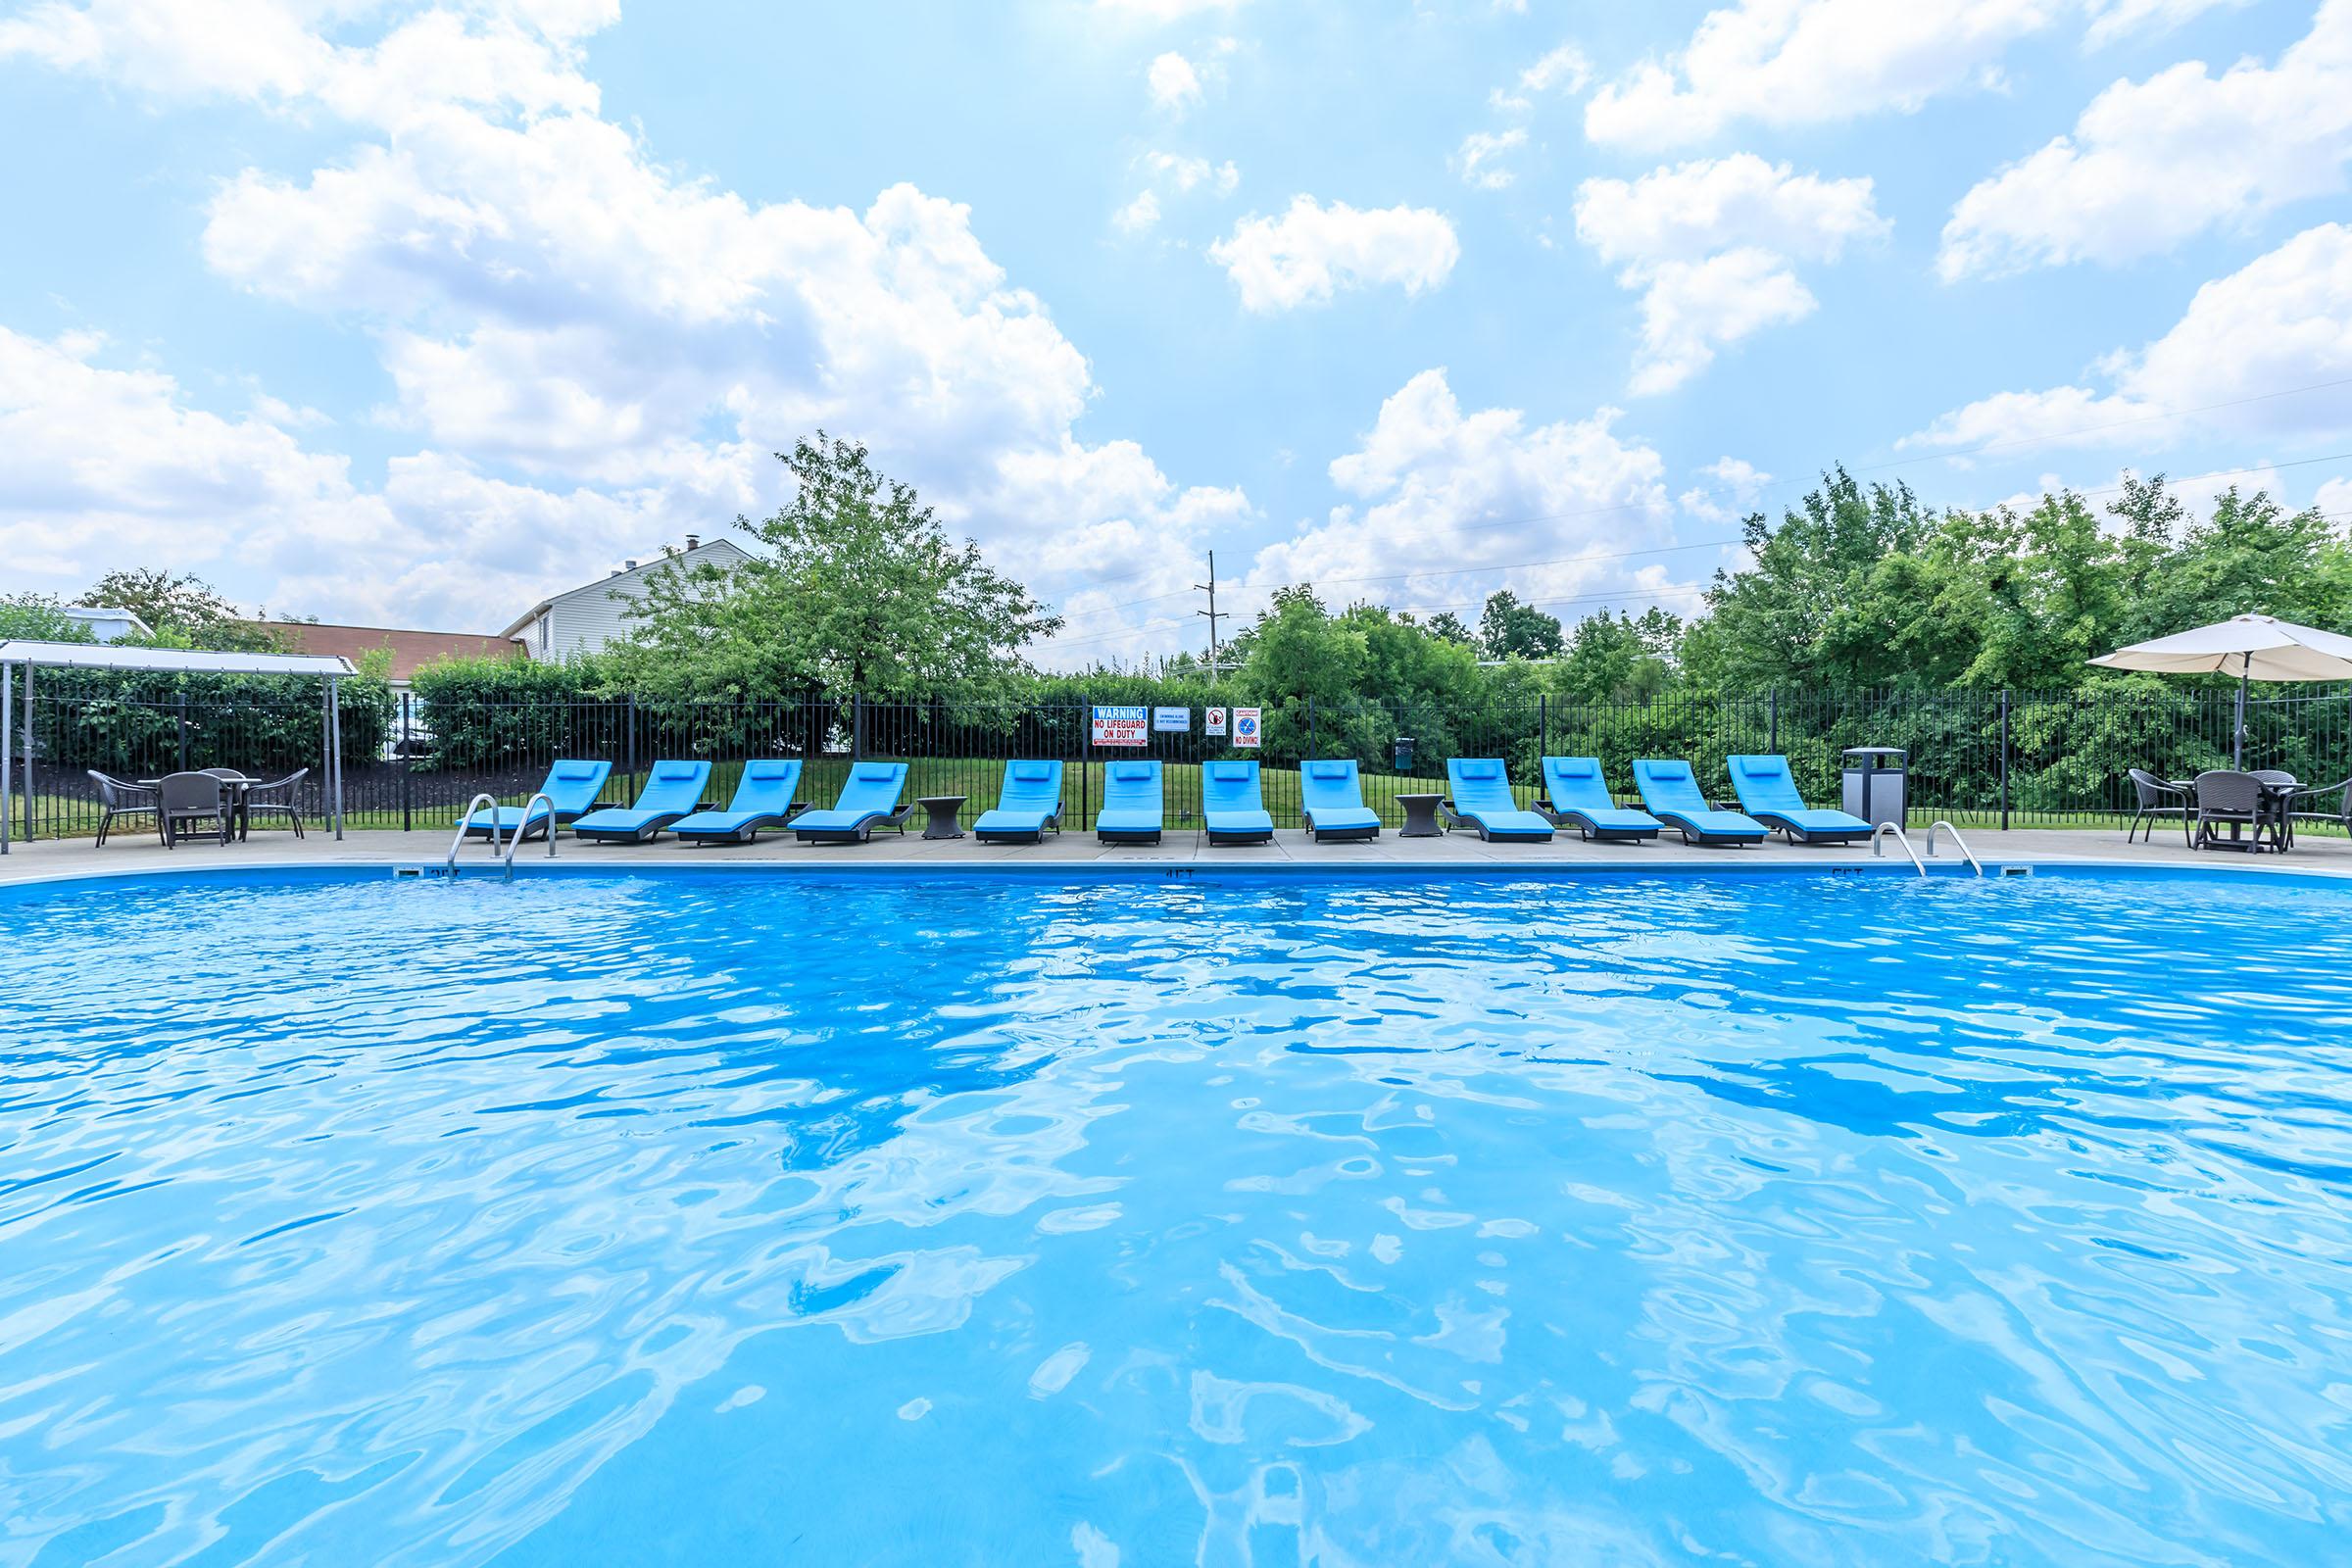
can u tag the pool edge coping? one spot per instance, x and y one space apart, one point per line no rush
1173 869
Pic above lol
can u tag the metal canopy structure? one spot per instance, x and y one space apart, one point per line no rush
28 657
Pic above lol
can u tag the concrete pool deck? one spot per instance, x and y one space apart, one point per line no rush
1291 850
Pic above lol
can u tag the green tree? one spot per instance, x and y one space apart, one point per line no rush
1509 629
1809 610
181 612
1619 658
38 617
860 589
1448 626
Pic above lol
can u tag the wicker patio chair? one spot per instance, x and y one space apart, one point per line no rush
264 800
116 797
186 799
2233 800
2341 816
2152 792
2279 786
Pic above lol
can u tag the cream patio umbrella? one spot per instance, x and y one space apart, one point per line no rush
2250 647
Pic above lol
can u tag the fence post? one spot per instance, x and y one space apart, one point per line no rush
181 719
1543 725
7 696
408 708
857 727
632 743
1312 748
2004 761
1775 746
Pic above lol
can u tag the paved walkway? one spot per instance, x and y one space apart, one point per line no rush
131 853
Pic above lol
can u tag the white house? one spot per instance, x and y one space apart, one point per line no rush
585 619
107 626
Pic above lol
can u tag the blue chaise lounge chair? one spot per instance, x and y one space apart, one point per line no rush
1028 802
1482 799
1769 794
1131 812
1671 792
1332 797
1231 808
869 800
673 790
571 784
1580 798
762 799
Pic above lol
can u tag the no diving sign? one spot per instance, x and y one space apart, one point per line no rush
1245 726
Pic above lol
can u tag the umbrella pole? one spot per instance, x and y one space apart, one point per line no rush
2237 739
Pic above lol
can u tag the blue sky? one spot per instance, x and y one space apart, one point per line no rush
410 314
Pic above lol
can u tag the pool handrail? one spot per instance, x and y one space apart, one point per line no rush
516 842
1878 843
466 826
1944 825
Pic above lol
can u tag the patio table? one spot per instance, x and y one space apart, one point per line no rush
1420 816
940 821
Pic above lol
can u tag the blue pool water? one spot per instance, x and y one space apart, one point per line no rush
740 1218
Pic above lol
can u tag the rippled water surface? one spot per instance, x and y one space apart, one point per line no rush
738 1218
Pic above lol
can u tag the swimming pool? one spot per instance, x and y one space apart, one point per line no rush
745 1217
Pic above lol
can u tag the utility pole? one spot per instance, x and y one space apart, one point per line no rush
1211 613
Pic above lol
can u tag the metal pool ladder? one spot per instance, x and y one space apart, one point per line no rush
1878 843
514 840
1939 825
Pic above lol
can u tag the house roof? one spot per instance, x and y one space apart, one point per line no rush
105 613
627 575
409 649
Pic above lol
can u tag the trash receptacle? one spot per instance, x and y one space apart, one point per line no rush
1403 753
1876 778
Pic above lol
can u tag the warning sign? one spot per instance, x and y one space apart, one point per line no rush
1216 721
1122 726
1245 726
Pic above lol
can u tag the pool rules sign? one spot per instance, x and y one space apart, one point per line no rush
1245 726
1122 726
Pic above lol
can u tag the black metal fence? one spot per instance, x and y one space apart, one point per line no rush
1980 758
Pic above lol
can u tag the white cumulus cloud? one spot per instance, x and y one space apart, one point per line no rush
582 342
1311 252
2151 163
1479 158
2254 355
1710 244
1174 84
1436 488
1809 62
2112 20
